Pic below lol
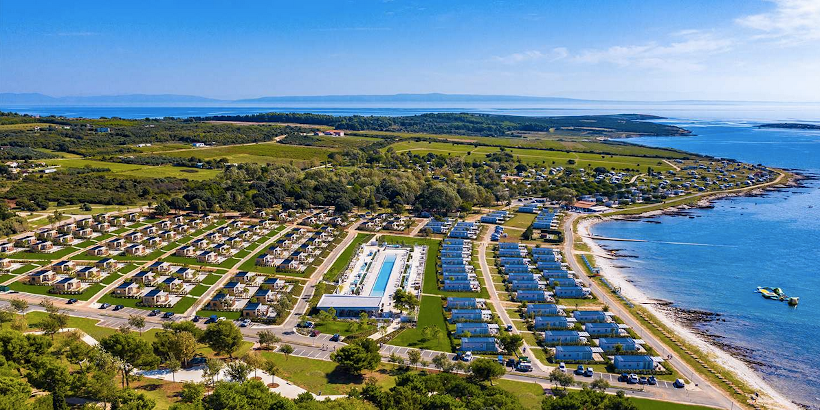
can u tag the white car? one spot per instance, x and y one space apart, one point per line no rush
562 367
679 383
467 356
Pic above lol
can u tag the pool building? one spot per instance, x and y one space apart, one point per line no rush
371 279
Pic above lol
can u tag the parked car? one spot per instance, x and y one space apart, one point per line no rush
579 370
196 318
306 324
245 323
511 362
651 381
168 315
315 333
623 377
633 379
679 383
467 356
155 312
105 306
72 301
509 328
212 319
562 367
642 380
589 372
119 307
335 338
524 367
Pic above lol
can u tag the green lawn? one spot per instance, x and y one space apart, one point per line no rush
341 327
46 256
521 220
431 313
43 290
647 404
117 168
533 156
88 326
529 394
321 376
345 257
262 153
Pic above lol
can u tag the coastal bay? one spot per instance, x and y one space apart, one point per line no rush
708 262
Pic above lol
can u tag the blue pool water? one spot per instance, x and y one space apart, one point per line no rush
384 275
742 243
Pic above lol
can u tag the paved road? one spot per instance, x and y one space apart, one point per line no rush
302 303
701 387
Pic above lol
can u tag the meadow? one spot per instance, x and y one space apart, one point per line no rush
261 153
136 170
533 156
559 142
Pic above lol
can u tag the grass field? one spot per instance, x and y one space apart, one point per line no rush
136 170
431 313
261 153
344 258
24 126
322 376
544 141
534 157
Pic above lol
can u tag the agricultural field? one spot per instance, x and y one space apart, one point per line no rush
559 142
534 157
136 170
262 153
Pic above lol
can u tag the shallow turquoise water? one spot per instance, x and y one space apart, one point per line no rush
743 243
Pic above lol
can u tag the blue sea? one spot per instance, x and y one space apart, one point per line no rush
742 243
771 240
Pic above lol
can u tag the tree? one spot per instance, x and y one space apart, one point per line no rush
173 366
131 351
511 342
53 322
130 400
360 355
137 322
162 208
13 390
212 369
286 350
192 392
19 305
588 399
238 370
50 375
175 345
599 384
267 338
178 203
269 366
413 357
404 300
442 362
254 360
395 359
486 370
561 378
223 337
197 205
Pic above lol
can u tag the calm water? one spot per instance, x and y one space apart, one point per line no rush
763 241
757 241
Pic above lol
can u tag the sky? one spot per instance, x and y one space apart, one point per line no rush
607 49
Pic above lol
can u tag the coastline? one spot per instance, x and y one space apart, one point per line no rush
683 325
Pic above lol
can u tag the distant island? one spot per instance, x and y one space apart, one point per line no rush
791 126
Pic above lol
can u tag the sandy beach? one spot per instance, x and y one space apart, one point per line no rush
768 395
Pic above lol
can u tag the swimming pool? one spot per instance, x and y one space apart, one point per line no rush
384 275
